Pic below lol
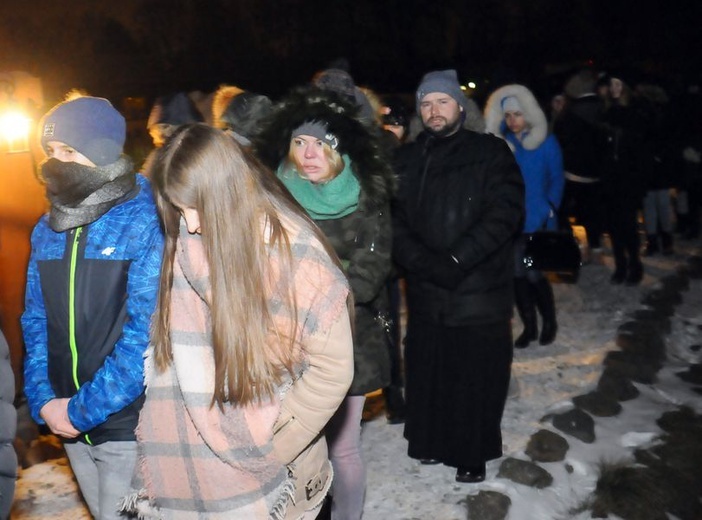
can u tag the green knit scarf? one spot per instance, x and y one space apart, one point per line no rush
331 200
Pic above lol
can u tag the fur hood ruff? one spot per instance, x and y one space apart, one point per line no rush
534 116
368 161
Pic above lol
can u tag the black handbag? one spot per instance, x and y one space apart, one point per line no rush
553 251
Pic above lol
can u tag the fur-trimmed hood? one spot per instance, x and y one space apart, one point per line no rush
534 116
368 161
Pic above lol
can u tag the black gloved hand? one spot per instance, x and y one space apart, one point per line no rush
443 271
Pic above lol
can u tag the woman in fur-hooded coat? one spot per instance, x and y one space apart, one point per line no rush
513 113
352 209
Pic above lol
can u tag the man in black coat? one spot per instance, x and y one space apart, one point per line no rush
458 210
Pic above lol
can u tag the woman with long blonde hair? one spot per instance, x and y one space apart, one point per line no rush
334 166
252 348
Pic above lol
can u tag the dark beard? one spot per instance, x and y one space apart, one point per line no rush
446 130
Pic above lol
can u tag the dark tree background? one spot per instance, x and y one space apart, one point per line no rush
151 47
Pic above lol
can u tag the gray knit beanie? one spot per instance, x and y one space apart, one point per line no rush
90 125
444 81
316 129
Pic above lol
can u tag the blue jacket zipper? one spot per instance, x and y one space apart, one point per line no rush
72 312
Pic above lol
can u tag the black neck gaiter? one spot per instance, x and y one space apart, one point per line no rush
81 194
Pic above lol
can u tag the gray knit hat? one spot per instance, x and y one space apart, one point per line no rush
316 129
90 125
444 81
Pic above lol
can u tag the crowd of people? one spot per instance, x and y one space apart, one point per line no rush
202 335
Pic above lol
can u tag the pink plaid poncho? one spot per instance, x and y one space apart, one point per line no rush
199 461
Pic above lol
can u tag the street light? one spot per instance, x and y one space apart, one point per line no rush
14 131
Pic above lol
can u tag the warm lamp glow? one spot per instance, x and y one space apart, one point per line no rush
14 130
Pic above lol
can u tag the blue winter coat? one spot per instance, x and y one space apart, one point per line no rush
542 170
90 295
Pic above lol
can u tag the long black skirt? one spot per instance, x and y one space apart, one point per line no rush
457 379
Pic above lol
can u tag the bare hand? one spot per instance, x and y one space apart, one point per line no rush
55 413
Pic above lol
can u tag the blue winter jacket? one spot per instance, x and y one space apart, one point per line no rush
90 295
542 170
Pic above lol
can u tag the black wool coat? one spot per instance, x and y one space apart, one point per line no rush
460 200
362 240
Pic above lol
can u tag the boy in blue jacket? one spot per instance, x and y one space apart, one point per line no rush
92 283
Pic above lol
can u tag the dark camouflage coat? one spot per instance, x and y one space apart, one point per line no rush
362 239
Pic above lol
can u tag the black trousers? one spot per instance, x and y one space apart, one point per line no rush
456 380
584 202
622 213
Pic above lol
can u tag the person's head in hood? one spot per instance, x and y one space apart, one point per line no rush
313 152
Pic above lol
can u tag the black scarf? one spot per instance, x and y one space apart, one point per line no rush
82 194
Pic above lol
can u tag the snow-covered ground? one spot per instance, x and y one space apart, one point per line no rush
545 380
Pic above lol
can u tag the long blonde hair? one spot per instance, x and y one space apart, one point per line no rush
203 168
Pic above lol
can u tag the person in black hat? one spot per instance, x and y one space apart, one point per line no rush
169 113
395 118
92 282
459 208
240 112
580 133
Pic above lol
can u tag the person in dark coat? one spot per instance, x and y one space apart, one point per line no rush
624 178
333 165
459 208
582 139
8 428
661 144
395 125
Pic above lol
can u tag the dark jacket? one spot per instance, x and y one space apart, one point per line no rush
661 145
362 239
582 137
461 198
8 429
627 162
89 299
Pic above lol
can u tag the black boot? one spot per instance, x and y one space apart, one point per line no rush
547 308
394 398
527 312
651 245
667 243
394 404
619 274
620 263
635 272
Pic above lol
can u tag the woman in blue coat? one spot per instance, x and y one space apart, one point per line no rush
513 113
